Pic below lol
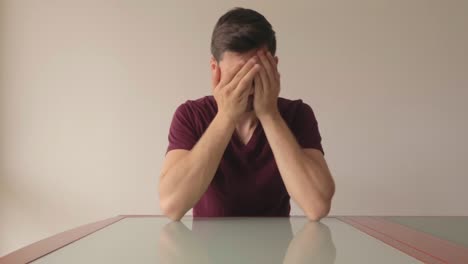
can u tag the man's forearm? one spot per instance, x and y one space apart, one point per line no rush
186 181
307 182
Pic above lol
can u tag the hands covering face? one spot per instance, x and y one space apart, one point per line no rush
232 90
267 85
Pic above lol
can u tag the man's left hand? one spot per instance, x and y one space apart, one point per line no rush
267 86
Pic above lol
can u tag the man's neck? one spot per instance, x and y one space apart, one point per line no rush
248 121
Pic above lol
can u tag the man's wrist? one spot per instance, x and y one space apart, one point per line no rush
270 117
224 122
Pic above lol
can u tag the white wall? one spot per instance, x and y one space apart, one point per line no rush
88 88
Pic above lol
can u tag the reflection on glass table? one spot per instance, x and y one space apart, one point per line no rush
222 241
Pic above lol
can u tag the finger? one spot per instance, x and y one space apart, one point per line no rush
216 77
246 92
250 88
264 78
246 81
258 85
230 73
274 65
266 64
243 72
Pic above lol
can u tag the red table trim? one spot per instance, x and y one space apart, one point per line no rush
45 246
420 245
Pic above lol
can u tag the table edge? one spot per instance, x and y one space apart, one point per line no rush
418 244
55 242
50 244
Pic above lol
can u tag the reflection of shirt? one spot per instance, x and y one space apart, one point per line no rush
247 182
243 240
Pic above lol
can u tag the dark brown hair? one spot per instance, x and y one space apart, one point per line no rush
241 30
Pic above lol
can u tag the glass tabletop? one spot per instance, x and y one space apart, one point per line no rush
228 240
451 228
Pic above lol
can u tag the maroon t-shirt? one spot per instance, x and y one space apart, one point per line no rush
247 181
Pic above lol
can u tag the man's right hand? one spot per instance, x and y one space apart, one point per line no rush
231 90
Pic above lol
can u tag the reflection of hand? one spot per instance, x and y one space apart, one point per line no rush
312 244
177 244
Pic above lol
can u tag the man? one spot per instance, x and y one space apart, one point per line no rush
244 151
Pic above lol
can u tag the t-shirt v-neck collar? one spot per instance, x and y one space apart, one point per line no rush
252 140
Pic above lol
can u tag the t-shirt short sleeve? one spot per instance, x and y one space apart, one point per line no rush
306 128
182 133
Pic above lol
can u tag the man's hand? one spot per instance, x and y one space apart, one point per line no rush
231 90
267 86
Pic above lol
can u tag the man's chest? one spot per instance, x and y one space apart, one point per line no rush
249 176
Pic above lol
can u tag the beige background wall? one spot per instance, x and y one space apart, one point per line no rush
88 88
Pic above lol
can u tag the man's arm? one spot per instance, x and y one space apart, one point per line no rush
304 171
186 175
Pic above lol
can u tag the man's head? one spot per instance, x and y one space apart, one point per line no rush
237 36
241 30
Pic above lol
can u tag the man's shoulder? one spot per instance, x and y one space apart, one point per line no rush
289 106
203 102
292 109
285 103
202 107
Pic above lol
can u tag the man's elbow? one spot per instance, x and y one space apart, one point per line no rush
317 211
171 210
